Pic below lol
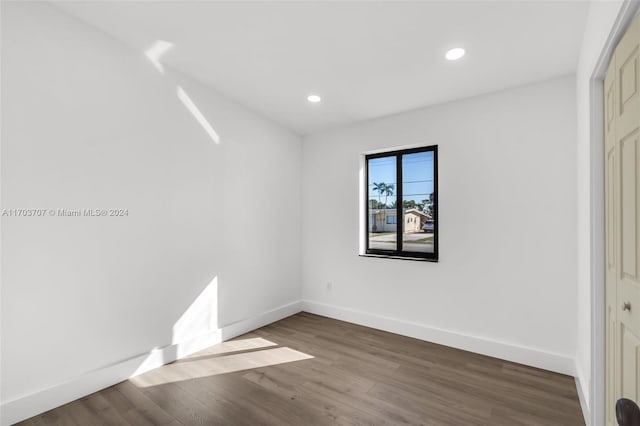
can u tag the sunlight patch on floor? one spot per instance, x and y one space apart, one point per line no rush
216 365
234 346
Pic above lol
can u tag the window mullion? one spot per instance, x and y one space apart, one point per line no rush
367 204
399 218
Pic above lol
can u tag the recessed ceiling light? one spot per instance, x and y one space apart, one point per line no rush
314 98
454 54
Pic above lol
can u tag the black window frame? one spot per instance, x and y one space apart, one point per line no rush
399 252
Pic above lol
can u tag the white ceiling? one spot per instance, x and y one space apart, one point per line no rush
366 59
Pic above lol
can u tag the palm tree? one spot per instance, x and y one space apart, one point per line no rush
388 192
380 188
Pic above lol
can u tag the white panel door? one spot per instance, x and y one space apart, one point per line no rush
622 217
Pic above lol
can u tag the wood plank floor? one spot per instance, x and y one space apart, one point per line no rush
311 370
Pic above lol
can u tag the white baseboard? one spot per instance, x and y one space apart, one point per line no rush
241 327
22 408
511 352
586 413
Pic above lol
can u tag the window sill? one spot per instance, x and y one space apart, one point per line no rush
386 256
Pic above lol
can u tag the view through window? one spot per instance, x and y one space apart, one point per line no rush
402 203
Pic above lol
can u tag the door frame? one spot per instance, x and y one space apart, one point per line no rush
626 14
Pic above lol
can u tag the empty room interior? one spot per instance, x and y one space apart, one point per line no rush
320 213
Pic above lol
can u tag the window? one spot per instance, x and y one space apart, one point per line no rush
402 200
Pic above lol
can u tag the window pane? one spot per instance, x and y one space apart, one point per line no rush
382 203
417 202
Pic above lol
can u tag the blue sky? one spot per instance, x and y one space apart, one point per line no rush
417 175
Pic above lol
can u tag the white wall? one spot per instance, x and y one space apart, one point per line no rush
90 123
600 22
506 280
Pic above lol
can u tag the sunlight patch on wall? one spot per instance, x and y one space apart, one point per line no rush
156 51
216 365
197 114
200 317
